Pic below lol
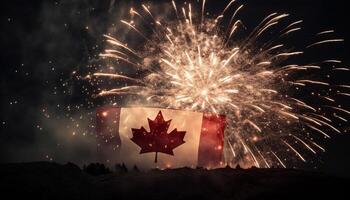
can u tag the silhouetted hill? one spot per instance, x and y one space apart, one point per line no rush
54 181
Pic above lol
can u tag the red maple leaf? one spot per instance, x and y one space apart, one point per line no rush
158 140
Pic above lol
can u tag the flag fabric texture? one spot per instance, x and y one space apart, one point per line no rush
155 137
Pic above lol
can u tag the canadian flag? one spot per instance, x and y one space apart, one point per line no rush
163 138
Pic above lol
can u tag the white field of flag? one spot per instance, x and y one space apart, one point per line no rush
203 140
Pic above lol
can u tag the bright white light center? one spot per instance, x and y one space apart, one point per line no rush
204 92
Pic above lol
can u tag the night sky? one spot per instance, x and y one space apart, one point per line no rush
43 42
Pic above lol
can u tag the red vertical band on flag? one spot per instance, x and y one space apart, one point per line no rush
211 143
107 128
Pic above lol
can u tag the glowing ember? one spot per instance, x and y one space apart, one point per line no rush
104 114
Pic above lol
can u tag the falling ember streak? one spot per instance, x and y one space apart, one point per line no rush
344 94
232 150
289 115
117 43
235 13
325 32
292 24
295 151
253 156
313 82
290 31
318 130
116 76
266 163
306 145
327 124
109 55
325 42
203 11
279 160
341 118
190 63
318 146
340 109
332 61
310 120
135 29
227 7
341 69
175 8
253 125
344 86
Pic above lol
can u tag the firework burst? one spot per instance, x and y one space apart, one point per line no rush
191 63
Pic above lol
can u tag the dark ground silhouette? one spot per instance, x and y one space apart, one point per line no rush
44 180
